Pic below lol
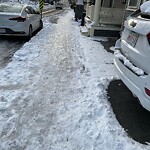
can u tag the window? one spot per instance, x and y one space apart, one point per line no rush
133 3
92 2
136 13
30 10
144 1
139 14
107 3
123 1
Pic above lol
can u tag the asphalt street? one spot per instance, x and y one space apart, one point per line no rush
129 113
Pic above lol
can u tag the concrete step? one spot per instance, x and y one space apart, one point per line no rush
85 31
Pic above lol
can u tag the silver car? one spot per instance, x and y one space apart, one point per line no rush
19 19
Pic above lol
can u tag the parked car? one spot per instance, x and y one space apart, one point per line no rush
133 59
59 5
19 19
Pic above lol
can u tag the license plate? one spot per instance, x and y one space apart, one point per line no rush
132 38
2 30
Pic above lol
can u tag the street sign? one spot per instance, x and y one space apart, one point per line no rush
41 4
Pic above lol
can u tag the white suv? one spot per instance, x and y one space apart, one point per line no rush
132 60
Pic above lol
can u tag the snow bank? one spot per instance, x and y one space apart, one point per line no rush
145 7
127 63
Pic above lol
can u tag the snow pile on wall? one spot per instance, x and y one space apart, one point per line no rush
127 63
79 2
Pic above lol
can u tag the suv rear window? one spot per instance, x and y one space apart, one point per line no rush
10 8
139 14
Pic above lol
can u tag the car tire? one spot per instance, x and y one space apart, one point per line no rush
30 32
41 24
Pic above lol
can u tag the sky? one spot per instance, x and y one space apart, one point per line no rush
53 93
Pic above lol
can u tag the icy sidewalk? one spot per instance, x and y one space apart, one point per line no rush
53 94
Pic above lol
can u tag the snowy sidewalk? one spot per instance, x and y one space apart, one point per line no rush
53 94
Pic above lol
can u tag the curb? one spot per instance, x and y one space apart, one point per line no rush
48 11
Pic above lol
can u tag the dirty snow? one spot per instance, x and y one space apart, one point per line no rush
127 63
53 94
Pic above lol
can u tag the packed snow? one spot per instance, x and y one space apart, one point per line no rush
145 7
53 94
127 63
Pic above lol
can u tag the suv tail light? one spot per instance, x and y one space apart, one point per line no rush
147 91
148 37
18 19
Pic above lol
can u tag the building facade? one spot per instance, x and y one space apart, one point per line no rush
105 17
